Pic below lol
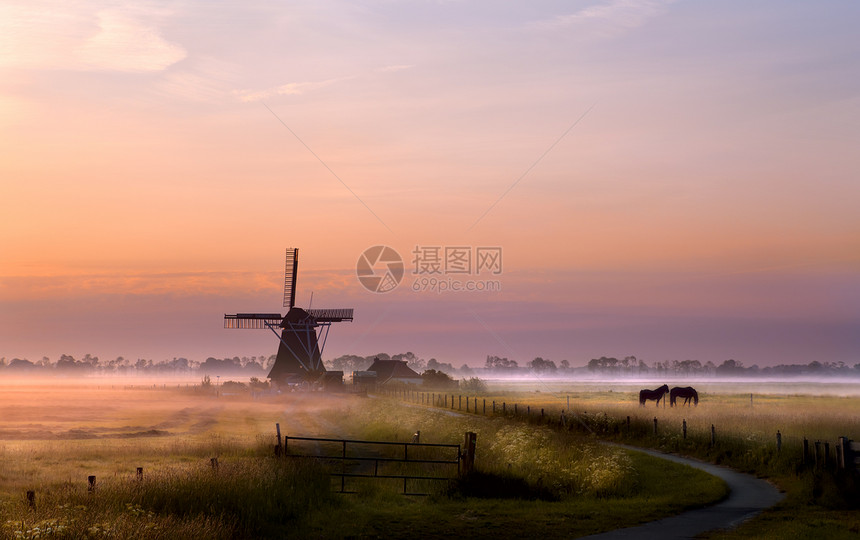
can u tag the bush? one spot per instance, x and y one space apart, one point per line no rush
437 380
473 385
233 386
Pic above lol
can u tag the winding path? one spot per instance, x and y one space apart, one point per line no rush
748 496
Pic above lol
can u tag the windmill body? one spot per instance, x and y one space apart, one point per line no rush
302 336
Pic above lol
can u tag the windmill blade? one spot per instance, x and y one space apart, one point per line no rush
290 273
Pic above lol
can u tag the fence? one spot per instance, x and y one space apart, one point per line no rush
846 453
419 464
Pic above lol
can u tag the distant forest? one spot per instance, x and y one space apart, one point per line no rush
259 366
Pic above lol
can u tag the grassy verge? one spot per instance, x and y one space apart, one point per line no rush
649 498
555 483
819 501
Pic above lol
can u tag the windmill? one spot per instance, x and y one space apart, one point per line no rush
302 337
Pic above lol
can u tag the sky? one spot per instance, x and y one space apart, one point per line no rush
666 179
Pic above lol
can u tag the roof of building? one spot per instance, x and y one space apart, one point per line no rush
392 369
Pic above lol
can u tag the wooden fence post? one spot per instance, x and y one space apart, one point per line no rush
528 410
278 448
515 409
140 473
469 452
841 453
467 403
840 463
826 453
778 441
91 483
805 450
628 424
852 449
655 425
541 414
684 427
817 453
485 405
494 406
713 436
504 408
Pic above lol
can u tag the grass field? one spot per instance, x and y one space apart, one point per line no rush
746 418
532 480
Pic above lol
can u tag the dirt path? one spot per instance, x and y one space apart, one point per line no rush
749 496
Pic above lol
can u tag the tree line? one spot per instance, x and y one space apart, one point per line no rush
632 366
259 366
92 365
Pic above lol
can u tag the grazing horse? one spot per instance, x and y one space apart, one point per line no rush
686 392
658 394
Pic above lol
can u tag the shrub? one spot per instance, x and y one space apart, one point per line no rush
473 385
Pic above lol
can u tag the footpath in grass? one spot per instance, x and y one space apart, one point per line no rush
555 484
655 495
570 485
759 434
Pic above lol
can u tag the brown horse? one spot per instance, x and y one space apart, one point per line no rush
658 394
686 392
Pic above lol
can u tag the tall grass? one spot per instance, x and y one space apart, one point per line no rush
563 463
745 432
241 499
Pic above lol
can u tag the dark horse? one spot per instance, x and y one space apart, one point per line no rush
658 394
686 392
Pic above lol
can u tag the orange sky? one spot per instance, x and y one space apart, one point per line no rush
704 207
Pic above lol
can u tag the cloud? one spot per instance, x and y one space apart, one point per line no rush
289 89
69 36
608 19
298 88
126 44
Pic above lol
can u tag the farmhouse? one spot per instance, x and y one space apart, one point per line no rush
388 371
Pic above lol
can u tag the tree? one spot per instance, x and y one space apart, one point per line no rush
439 366
496 363
730 367
603 364
540 365
437 379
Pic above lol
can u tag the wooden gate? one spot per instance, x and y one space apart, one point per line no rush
416 465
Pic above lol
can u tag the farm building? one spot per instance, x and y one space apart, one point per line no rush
388 371
365 379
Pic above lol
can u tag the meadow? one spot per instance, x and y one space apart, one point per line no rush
54 435
532 477
745 415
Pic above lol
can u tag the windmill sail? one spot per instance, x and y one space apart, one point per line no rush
291 268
